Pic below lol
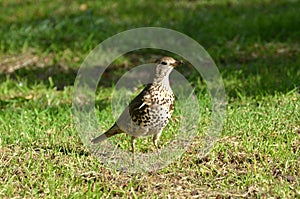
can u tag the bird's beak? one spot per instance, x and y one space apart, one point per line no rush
177 63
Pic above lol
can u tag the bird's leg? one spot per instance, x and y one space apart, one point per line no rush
155 139
155 142
133 141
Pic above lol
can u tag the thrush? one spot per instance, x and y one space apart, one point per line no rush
150 111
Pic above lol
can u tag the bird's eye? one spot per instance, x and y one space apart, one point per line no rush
163 63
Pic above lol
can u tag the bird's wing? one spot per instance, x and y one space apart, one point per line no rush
139 101
134 111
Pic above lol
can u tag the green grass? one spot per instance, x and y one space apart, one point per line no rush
255 45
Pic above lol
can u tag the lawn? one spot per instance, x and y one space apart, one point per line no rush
255 45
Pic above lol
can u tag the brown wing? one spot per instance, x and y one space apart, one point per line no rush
137 107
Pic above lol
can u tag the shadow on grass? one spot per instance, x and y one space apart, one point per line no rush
50 75
255 76
261 76
213 25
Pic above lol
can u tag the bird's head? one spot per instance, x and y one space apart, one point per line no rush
168 62
164 67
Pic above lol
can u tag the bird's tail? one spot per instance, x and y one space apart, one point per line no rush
114 130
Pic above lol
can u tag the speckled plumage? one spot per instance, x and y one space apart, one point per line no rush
150 111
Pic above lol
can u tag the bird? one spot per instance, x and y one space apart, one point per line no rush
150 111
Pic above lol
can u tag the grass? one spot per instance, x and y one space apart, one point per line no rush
255 45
